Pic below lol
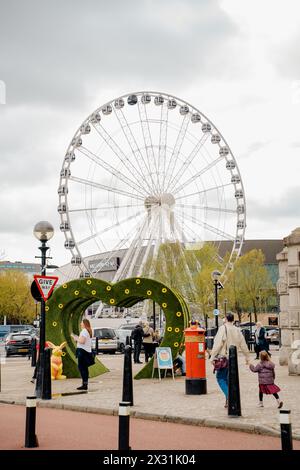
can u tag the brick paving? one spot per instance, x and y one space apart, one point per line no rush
164 400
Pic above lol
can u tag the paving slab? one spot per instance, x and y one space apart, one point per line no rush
164 400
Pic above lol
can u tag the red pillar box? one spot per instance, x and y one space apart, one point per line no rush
195 382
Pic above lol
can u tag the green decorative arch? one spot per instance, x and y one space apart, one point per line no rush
65 308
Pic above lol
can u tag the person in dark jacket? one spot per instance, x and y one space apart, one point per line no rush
266 376
261 344
137 337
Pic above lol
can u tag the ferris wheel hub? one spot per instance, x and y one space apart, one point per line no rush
164 199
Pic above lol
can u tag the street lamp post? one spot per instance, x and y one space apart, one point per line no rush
216 276
43 231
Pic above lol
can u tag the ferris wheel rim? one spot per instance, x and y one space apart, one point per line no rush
64 198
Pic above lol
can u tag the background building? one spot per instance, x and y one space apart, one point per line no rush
29 268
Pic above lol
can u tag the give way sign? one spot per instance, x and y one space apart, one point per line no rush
45 285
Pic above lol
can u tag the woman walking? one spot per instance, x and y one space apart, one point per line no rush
261 344
84 352
266 375
148 335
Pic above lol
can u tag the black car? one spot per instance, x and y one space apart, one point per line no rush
17 343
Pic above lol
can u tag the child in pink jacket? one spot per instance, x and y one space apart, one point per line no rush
266 376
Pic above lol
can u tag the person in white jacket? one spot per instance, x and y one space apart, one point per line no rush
228 335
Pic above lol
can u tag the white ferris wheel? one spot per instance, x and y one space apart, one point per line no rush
145 169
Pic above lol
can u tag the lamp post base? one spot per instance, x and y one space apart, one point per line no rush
195 387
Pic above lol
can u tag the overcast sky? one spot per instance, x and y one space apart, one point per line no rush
237 61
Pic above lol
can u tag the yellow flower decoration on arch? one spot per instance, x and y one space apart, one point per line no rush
164 290
76 292
54 323
47 308
108 288
65 286
60 305
138 281
169 328
127 291
89 282
176 344
112 301
164 305
177 330
178 314
149 292
93 292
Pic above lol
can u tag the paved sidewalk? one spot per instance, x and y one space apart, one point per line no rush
164 400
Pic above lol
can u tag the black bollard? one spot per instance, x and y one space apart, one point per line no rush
46 384
124 418
33 353
30 436
286 430
39 376
127 395
234 401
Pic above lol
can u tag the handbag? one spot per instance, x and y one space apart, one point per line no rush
221 361
90 359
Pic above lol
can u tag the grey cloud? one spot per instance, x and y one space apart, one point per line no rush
52 52
254 147
286 58
280 208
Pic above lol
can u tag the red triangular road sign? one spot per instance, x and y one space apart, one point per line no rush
45 285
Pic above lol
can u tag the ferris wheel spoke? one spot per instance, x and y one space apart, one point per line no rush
209 227
137 154
118 247
197 263
136 248
107 229
185 263
152 235
148 141
197 175
126 162
162 154
207 208
113 207
104 187
176 151
187 162
214 188
195 236
130 252
95 158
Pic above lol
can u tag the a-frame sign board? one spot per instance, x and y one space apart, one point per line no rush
45 285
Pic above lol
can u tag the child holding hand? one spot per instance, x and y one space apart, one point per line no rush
266 375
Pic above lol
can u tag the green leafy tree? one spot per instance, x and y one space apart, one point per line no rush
248 282
16 301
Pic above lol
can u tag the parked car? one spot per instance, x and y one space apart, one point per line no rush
123 331
272 335
17 343
107 340
7 329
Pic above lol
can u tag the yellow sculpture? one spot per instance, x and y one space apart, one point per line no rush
56 361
